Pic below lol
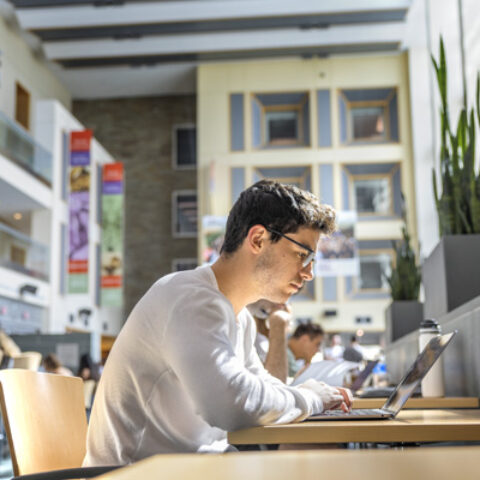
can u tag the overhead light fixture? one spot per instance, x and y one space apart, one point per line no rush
17 216
84 315
28 288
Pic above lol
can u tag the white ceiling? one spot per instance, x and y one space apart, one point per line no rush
114 48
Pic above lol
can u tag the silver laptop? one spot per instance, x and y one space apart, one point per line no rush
404 389
363 375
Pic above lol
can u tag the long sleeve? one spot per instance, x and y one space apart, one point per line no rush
199 345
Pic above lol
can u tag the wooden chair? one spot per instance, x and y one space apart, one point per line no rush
88 389
46 425
27 360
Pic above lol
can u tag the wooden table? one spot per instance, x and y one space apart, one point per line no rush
437 463
409 426
420 402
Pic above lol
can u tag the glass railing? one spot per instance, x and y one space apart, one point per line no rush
19 146
19 252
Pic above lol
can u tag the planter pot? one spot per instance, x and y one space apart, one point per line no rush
402 317
451 274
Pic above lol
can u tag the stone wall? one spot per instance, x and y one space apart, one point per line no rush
138 132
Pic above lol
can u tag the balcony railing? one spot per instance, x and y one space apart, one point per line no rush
19 146
20 253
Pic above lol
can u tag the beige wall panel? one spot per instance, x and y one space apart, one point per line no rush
213 119
20 64
374 230
366 71
217 82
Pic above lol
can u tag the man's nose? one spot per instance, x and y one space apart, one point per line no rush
307 272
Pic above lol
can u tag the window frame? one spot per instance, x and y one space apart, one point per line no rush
372 176
385 103
175 195
177 261
300 182
175 128
364 252
282 142
23 91
387 138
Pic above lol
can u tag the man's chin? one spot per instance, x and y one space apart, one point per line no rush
279 298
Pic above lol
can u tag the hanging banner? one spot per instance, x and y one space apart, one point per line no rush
79 209
112 235
337 254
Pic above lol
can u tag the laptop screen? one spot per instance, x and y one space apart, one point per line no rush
363 375
417 371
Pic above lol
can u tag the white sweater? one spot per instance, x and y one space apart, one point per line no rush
182 372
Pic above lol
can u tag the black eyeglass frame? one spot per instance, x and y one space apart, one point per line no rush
311 253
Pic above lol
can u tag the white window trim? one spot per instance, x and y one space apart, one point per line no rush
175 128
175 195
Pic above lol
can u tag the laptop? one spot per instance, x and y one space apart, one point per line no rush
404 389
363 375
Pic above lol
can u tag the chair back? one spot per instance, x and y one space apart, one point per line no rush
27 360
88 389
45 420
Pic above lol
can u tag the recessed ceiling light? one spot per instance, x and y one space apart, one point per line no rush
17 216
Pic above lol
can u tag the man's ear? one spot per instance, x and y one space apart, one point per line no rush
256 238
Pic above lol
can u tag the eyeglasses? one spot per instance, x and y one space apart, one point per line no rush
311 254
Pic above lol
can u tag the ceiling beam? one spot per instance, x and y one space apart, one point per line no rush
189 11
227 41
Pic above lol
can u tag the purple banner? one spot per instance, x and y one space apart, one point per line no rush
112 188
79 158
79 213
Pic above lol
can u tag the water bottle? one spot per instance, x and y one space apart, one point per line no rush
432 383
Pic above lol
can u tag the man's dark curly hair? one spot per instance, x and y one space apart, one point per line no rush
311 329
284 208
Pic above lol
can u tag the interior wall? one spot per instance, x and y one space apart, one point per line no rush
138 132
18 63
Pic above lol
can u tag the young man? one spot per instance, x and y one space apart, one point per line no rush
183 370
303 345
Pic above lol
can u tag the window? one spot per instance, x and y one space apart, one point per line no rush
22 106
375 267
280 120
299 176
180 264
368 123
18 255
281 127
184 214
368 116
184 146
373 190
373 195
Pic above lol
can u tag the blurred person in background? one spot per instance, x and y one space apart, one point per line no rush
88 369
354 352
52 364
335 350
304 343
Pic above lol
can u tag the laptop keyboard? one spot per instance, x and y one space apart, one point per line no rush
352 413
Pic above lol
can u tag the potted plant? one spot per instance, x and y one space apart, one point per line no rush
450 273
405 312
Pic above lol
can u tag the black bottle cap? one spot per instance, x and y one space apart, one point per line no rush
429 323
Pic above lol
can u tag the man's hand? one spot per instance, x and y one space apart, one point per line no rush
332 397
279 321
